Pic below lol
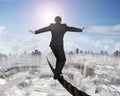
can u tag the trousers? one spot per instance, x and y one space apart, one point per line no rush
59 53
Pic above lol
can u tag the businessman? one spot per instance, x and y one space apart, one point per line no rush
58 31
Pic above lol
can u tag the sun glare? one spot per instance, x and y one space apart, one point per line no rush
46 13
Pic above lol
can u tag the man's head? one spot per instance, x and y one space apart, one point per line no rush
58 19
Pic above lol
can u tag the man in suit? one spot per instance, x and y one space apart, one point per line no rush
58 31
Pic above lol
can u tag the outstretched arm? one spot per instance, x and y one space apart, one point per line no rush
73 29
45 29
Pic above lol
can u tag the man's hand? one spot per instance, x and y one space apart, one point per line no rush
83 28
31 31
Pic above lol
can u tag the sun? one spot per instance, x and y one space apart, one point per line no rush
46 13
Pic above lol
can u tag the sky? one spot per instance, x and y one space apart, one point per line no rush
100 17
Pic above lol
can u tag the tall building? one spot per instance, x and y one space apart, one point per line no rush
77 51
36 58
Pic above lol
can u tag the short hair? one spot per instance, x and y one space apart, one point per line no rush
58 19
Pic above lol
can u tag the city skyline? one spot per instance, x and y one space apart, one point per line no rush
101 18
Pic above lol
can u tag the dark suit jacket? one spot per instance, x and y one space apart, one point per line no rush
57 30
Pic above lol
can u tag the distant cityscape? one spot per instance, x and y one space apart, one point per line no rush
77 51
94 73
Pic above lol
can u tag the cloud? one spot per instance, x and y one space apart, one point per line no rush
2 30
117 27
72 41
41 42
117 46
30 42
105 44
4 48
87 42
110 30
